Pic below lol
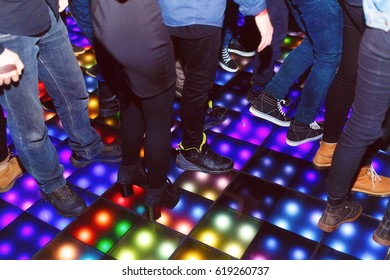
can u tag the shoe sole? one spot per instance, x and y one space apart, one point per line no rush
224 67
184 164
329 229
297 143
380 240
269 118
370 193
240 53
321 166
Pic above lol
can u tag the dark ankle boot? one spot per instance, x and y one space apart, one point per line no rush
166 196
129 175
382 232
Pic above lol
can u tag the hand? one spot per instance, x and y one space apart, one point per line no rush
10 67
265 28
62 5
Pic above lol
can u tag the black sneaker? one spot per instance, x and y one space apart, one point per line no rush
269 108
252 95
93 71
108 100
237 48
334 216
214 116
48 106
299 133
66 202
110 154
203 160
227 62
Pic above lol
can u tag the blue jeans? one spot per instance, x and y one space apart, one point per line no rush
263 63
365 127
320 50
50 57
81 12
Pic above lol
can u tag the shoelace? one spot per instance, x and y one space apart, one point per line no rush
64 194
314 125
280 108
373 175
226 56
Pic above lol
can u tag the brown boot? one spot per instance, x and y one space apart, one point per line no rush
10 170
369 182
324 155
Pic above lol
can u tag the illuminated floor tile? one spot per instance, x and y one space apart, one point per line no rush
252 196
273 166
103 225
146 241
64 153
250 129
25 236
274 243
227 230
326 253
239 151
55 128
134 202
8 213
277 142
299 214
309 180
23 194
186 214
96 177
209 186
194 250
107 133
232 99
356 239
66 247
373 206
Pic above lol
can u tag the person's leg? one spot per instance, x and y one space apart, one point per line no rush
372 101
107 96
342 90
200 59
323 22
264 61
228 32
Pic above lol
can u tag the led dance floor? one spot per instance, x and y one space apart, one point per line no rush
266 209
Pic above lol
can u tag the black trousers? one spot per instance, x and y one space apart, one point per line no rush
200 61
134 34
342 91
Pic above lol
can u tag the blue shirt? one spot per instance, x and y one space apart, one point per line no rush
204 12
377 13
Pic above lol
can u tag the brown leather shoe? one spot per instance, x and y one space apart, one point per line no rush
369 182
9 174
324 155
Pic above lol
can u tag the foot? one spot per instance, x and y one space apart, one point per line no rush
299 133
227 62
66 202
237 48
203 159
334 216
110 154
269 108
